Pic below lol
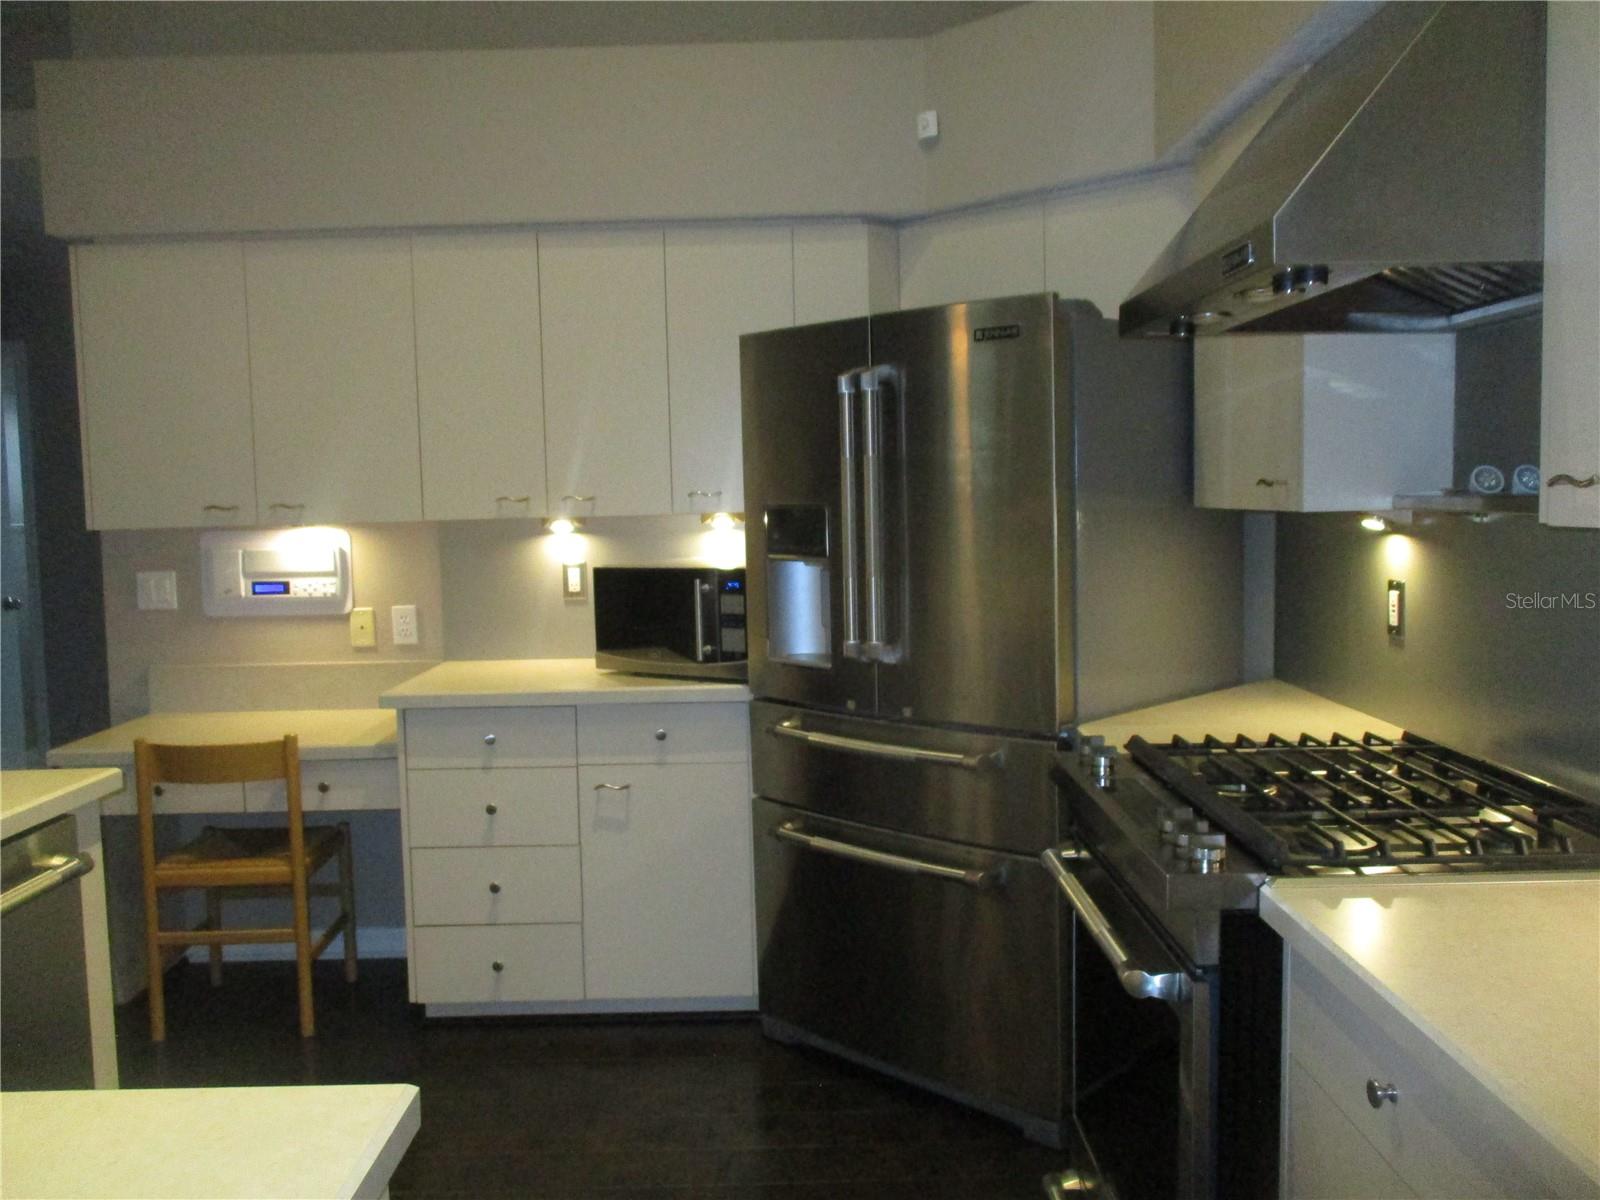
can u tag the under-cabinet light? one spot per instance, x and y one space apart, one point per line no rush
1374 522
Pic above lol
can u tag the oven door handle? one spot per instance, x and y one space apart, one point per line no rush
789 831
1138 983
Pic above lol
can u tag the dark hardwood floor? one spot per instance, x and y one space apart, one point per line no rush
595 1109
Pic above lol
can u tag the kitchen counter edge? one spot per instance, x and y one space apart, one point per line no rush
517 683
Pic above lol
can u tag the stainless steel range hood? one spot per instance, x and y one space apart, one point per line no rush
1399 186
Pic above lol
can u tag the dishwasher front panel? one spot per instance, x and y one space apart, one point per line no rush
939 962
44 995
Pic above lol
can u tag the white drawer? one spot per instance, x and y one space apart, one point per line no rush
333 785
490 737
663 733
515 806
496 885
178 798
536 962
1440 1137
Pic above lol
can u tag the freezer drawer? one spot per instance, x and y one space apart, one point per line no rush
948 971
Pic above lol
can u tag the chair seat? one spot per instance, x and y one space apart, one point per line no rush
243 857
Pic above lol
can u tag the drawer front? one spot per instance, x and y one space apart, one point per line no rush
179 798
1441 1140
537 962
514 806
664 733
490 737
496 886
1326 1157
332 786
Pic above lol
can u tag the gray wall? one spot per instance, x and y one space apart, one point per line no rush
1520 685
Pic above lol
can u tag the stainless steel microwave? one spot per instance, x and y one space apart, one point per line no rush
686 621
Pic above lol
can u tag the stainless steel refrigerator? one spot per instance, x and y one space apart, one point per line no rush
968 528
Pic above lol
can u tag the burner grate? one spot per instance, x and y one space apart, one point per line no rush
1345 802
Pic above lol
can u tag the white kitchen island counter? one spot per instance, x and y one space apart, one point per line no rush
342 1141
520 682
1493 981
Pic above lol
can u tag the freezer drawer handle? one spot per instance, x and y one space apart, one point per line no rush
58 869
1142 985
835 741
983 880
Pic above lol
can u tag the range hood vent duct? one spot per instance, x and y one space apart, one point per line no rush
1401 182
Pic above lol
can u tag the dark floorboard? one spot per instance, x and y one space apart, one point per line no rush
596 1109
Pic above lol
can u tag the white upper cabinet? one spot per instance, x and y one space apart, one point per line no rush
720 283
164 377
603 308
1322 422
333 370
480 397
845 269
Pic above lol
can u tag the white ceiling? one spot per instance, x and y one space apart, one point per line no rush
181 27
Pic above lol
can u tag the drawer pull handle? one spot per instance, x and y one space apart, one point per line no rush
1377 1093
488 739
661 735
219 508
1264 482
1565 480
497 966
491 809
324 788
612 787
494 889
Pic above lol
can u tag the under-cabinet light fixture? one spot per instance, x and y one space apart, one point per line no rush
1374 522
562 526
723 520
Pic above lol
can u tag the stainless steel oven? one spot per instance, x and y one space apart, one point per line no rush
684 621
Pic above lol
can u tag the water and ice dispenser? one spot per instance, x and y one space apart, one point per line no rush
798 593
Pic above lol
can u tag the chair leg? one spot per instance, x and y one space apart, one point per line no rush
347 895
214 921
152 950
302 961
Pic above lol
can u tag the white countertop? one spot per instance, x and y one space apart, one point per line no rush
30 798
547 681
206 1142
325 733
1253 709
1502 975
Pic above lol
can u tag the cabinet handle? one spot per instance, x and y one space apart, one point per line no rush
220 508
612 787
1377 1093
497 966
299 510
1264 482
511 499
324 788
1565 480
494 889
488 739
579 499
661 735
491 809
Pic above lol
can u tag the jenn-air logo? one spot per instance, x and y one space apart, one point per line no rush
996 333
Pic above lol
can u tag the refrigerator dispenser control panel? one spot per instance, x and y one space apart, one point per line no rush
301 572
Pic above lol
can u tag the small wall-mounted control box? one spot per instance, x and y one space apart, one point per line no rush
301 572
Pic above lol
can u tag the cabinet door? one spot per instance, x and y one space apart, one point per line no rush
720 283
1325 1157
843 270
604 326
333 369
479 394
668 909
1247 396
164 375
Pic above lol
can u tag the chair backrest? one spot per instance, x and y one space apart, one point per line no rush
242 762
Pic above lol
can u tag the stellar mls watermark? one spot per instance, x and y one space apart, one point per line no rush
1552 600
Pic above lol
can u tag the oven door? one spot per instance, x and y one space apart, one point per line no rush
1142 1047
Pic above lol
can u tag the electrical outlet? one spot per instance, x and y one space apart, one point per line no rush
363 629
403 624
1395 607
575 580
157 589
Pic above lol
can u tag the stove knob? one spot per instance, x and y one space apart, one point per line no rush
1207 852
1087 746
1103 765
1202 826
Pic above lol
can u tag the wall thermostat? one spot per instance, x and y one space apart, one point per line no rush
300 572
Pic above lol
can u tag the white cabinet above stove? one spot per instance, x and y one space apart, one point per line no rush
1337 422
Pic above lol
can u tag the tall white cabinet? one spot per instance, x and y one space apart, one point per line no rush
333 380
603 307
720 283
480 394
164 378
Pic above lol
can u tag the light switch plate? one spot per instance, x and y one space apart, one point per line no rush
574 580
157 589
363 629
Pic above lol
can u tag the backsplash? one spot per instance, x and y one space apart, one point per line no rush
1501 649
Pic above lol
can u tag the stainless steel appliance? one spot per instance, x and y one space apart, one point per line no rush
1178 983
970 526
44 994
1398 186
685 621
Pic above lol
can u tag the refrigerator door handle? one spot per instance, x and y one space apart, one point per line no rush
847 514
851 745
872 507
790 831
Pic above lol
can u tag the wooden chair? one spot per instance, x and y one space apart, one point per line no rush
256 860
